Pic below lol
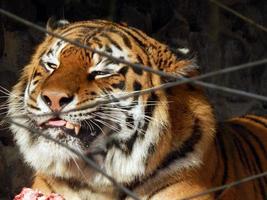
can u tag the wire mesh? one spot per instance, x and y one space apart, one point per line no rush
177 80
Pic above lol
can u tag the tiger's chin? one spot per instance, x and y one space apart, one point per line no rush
69 133
53 159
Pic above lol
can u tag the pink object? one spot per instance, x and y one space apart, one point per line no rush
30 194
57 122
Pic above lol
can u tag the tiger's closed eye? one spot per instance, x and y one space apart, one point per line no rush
98 74
51 65
48 65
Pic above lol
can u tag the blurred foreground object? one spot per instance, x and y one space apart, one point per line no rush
30 194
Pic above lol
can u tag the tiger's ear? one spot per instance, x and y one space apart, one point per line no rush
53 24
186 67
178 63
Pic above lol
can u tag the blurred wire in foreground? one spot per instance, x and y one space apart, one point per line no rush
237 14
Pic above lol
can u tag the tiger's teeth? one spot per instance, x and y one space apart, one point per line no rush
69 125
77 129
72 126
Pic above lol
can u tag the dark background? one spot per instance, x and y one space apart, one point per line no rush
218 38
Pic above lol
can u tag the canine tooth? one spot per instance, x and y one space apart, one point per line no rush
69 125
77 129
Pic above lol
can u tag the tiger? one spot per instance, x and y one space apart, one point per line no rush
163 144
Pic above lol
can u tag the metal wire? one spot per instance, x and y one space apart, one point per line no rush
84 157
227 186
179 80
133 65
165 86
244 18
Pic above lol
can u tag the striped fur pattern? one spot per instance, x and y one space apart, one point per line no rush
162 145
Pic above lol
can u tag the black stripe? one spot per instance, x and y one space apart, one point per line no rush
125 146
134 37
50 51
137 86
92 93
134 102
35 82
186 147
220 141
256 120
191 87
36 74
160 61
75 27
243 157
33 107
112 143
130 121
149 109
157 190
41 55
139 59
108 62
74 184
31 98
48 185
108 49
125 39
119 85
139 33
151 149
138 71
95 39
129 144
100 45
123 70
243 132
258 141
112 41
142 35
246 132
242 154
215 174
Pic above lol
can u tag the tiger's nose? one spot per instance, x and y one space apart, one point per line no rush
56 100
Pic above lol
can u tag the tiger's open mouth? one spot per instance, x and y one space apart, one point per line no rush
57 122
65 129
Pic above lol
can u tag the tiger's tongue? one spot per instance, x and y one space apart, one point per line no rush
57 122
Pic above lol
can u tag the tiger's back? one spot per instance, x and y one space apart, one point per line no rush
161 145
241 143
237 152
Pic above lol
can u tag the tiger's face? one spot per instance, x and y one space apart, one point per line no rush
70 81
62 83
60 95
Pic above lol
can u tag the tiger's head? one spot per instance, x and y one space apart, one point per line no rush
63 91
